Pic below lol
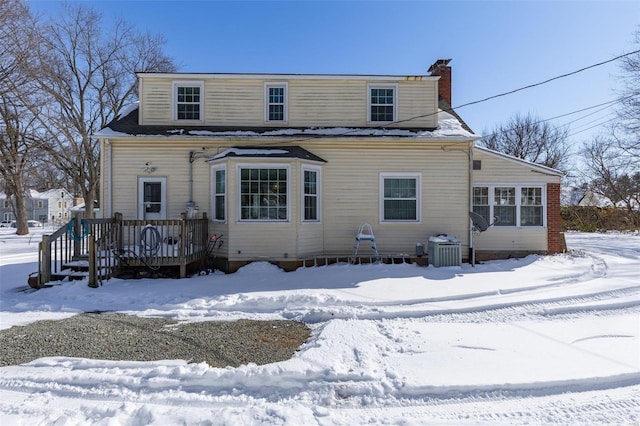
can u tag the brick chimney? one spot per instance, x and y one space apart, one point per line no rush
442 69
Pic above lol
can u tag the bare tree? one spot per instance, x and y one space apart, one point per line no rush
532 139
87 71
629 114
16 43
19 133
613 176
19 137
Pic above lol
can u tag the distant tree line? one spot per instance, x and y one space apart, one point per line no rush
61 80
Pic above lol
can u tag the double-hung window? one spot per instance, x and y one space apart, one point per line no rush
219 196
510 205
264 193
188 101
275 95
505 206
481 203
311 194
382 102
531 206
400 197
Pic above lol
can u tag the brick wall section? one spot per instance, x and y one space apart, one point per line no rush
554 236
444 84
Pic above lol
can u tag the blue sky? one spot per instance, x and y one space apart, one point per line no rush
495 46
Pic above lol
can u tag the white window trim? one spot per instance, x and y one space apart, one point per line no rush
239 168
393 86
214 169
267 86
518 205
418 178
318 171
174 99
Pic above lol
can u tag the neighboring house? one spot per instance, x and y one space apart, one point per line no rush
6 209
287 166
50 206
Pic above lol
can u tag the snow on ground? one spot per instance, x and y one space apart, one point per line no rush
552 339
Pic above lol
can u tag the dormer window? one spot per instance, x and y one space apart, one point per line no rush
188 101
382 100
275 96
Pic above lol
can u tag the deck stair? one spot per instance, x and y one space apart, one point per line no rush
75 269
78 269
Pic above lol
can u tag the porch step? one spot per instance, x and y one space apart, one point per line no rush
76 264
70 274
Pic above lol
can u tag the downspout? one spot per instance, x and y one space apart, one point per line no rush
193 156
191 160
472 253
108 212
470 199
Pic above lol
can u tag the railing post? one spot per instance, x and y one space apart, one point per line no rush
45 261
183 246
93 265
205 233
77 229
117 217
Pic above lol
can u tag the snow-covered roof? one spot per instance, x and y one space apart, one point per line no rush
272 152
47 195
126 125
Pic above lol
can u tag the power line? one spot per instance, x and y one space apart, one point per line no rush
549 80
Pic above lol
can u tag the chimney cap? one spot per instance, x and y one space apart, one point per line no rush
439 63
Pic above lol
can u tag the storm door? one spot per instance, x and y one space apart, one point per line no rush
152 198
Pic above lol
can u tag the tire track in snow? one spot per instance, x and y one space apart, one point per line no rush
491 312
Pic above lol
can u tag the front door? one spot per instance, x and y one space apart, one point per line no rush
152 198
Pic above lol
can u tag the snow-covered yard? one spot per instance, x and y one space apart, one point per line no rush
537 340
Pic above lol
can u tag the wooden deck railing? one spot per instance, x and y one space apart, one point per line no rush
105 243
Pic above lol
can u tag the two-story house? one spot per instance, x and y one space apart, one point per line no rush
51 206
288 166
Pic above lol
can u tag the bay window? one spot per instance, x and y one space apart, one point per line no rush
219 198
311 194
264 193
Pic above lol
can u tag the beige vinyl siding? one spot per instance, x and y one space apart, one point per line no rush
156 102
327 103
503 172
234 103
351 195
171 160
512 239
417 99
311 102
310 239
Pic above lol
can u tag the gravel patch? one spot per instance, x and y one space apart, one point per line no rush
131 338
